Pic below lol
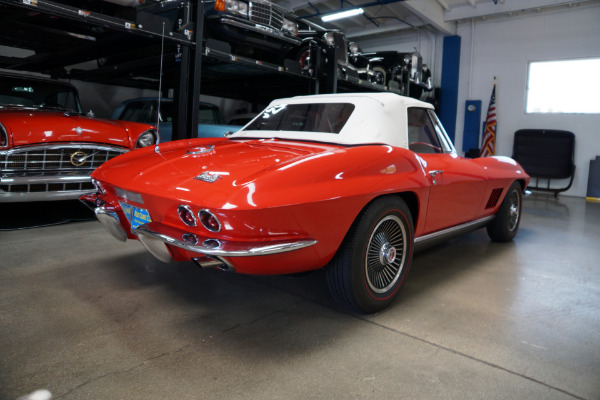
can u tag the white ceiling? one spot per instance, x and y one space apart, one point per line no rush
393 16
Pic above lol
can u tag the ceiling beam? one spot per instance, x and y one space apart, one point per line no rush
489 9
296 5
397 27
432 12
444 4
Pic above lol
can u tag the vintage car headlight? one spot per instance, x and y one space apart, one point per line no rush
290 26
3 136
148 138
329 38
233 7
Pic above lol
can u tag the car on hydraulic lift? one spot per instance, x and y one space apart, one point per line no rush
352 183
48 147
403 72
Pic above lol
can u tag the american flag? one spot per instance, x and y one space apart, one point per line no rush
488 145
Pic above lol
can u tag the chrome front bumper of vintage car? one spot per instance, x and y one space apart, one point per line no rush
212 253
44 188
51 172
263 30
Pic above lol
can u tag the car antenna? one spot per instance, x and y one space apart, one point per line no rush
160 74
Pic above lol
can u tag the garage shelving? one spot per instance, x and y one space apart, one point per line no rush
100 42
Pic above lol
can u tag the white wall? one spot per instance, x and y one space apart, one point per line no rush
503 47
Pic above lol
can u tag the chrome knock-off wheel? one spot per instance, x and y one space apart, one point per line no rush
514 210
385 254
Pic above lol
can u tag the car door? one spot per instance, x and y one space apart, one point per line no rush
456 184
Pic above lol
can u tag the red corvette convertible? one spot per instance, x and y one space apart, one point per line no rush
48 147
350 182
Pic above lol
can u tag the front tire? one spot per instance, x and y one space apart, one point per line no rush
379 75
304 59
375 257
506 224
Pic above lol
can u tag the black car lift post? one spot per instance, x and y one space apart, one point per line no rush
325 69
187 88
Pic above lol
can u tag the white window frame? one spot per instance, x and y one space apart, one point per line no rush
565 86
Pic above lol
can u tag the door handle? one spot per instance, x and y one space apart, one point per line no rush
435 173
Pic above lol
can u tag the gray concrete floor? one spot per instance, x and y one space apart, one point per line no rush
87 317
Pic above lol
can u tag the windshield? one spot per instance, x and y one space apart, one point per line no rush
34 93
320 117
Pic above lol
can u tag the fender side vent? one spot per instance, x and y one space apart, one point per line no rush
493 200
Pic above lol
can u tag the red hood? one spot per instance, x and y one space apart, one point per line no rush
30 126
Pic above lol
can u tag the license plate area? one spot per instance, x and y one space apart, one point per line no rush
135 215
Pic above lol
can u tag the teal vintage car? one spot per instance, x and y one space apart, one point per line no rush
148 110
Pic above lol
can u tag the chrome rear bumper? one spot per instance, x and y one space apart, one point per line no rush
152 233
154 236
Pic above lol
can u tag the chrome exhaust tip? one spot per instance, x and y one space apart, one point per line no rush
213 263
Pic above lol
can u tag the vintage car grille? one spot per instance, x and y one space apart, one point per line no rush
57 158
266 14
47 166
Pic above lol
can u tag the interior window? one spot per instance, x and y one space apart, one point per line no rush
422 136
545 96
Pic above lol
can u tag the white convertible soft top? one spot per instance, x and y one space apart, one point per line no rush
378 118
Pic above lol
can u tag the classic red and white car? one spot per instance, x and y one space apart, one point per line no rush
348 182
48 147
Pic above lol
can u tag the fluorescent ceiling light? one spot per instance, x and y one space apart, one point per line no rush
343 14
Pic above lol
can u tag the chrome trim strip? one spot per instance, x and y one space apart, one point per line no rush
225 249
10 197
435 237
29 180
265 31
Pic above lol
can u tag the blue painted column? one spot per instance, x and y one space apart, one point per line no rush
449 88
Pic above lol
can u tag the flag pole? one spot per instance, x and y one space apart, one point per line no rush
488 142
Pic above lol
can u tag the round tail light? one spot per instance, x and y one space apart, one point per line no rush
209 220
186 215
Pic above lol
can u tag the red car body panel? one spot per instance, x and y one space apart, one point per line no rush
317 189
32 126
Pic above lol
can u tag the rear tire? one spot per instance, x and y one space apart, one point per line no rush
506 224
375 257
